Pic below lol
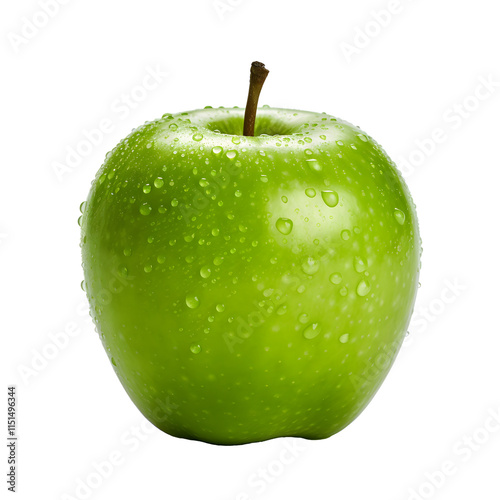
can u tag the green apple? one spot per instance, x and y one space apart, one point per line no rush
250 287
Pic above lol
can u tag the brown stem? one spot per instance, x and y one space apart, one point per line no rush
258 74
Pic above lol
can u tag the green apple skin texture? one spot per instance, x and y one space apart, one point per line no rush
247 288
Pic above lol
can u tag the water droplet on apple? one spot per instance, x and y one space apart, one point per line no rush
217 150
310 192
343 291
343 339
159 182
359 264
173 127
80 220
238 193
220 307
281 310
311 331
314 164
215 232
284 199
284 226
146 188
82 284
331 198
303 318
205 272
127 252
160 259
308 151
148 268
345 234
399 215
235 140
195 348
231 154
197 137
192 301
83 205
335 278
145 209
310 265
113 362
363 288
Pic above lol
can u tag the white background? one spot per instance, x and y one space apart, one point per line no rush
418 68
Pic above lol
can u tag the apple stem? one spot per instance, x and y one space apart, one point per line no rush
258 74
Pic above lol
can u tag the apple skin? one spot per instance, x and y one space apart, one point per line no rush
247 288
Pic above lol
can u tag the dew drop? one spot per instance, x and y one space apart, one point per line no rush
83 206
281 310
308 151
148 268
284 199
217 150
197 137
192 301
146 188
314 164
331 198
345 234
160 259
310 192
82 285
335 278
159 182
284 226
399 215
205 272
195 348
231 154
310 265
359 264
215 232
235 140
363 288
220 307
145 209
311 331
303 318
343 339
